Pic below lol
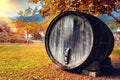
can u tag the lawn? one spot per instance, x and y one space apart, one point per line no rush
115 55
23 62
16 57
116 50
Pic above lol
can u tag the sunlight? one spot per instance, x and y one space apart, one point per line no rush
8 7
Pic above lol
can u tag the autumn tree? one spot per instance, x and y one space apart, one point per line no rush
25 22
51 8
20 25
1 28
114 24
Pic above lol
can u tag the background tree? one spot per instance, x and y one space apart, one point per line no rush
51 8
20 25
114 24
1 28
110 21
27 22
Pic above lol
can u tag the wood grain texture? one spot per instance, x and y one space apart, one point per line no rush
74 40
71 32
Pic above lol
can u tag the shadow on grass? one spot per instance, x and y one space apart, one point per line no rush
111 72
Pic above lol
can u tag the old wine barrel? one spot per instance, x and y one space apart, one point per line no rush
75 39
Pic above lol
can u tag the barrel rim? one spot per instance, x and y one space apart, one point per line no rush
86 62
108 32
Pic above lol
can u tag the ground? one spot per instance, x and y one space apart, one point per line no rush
23 62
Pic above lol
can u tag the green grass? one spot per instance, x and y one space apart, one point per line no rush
22 62
16 57
116 50
20 57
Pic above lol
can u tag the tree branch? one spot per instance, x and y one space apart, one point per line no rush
117 20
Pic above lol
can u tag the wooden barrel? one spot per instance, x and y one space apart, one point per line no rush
75 39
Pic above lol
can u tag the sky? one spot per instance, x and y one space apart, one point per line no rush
10 8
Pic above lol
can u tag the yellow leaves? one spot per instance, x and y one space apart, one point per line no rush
91 5
106 5
12 25
52 7
33 1
44 12
52 1
117 3
67 1
96 14
1 28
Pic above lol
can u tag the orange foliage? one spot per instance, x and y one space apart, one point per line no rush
54 7
19 23
43 26
34 1
31 27
1 28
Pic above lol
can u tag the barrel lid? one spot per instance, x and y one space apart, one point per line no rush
69 40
